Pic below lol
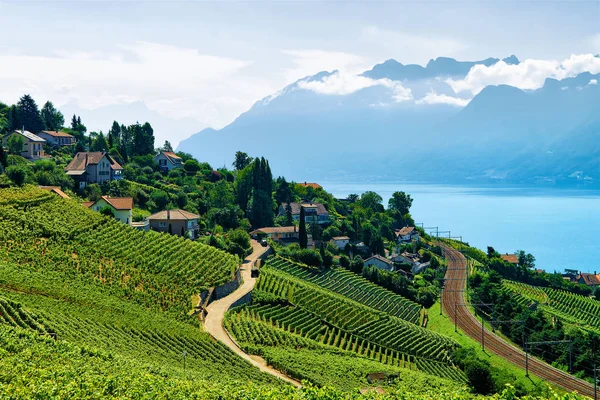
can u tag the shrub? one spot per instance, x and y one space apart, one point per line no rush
17 174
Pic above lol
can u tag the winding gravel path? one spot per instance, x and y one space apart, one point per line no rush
216 312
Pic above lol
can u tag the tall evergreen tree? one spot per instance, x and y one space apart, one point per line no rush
29 115
53 119
303 237
74 122
148 139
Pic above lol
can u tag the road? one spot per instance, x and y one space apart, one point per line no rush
453 298
213 323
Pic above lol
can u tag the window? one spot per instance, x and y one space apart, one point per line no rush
162 224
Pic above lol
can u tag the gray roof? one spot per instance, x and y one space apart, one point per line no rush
320 208
30 136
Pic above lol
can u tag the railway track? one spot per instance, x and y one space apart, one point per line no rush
453 298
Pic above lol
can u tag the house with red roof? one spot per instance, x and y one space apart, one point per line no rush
93 167
167 160
57 138
176 222
122 207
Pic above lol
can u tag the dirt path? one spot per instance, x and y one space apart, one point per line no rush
216 311
456 275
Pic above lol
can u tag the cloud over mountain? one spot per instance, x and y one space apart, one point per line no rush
529 74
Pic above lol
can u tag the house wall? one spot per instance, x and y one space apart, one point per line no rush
49 138
30 149
125 216
379 264
341 244
176 225
168 165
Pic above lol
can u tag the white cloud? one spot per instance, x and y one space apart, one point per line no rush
176 82
408 47
343 84
434 98
310 62
529 74
593 82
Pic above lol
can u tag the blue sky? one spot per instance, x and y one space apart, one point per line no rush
210 61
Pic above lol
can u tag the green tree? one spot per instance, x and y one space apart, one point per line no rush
167 146
15 144
160 199
303 237
108 211
352 198
99 142
191 166
243 187
53 118
93 192
400 202
371 201
242 160
526 260
114 136
17 174
29 115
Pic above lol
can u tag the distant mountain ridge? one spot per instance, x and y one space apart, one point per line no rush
503 134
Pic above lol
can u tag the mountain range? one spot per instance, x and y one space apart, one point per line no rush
405 122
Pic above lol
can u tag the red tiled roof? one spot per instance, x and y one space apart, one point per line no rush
510 258
119 203
590 279
179 215
404 231
57 190
58 134
83 159
172 156
311 184
88 204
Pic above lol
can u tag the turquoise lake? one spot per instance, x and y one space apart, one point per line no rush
560 227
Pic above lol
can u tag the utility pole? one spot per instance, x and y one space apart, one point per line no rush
528 344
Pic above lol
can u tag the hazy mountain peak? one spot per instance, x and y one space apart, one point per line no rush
511 60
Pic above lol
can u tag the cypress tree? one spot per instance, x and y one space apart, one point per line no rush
302 230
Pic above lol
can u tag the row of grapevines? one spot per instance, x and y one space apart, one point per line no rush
354 287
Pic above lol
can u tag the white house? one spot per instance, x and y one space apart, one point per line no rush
33 145
406 234
121 207
380 262
340 241
167 160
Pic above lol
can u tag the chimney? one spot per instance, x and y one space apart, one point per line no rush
168 214
23 129
86 159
